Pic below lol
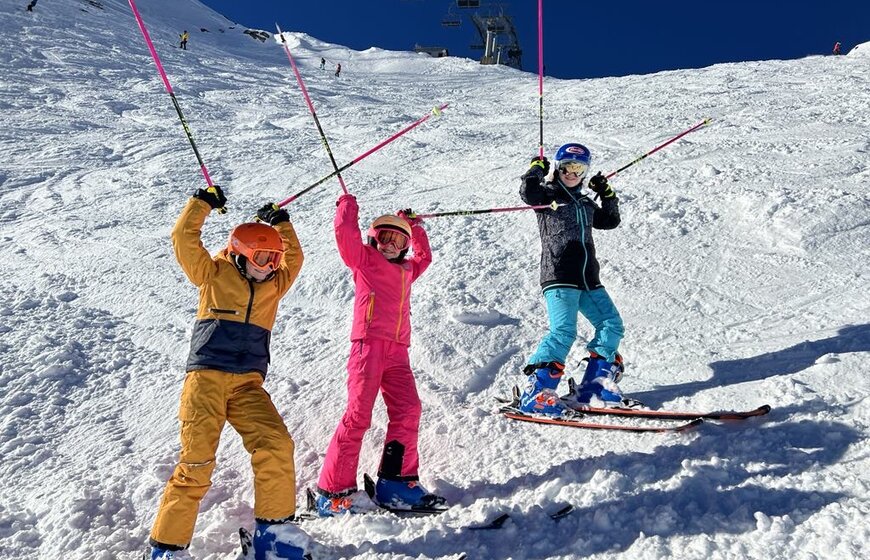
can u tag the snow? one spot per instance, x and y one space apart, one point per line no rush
740 269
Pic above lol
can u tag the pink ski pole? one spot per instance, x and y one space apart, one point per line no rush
311 109
171 95
657 148
436 111
552 206
541 73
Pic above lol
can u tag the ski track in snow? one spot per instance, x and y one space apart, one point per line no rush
740 269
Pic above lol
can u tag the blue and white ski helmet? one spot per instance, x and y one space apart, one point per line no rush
573 152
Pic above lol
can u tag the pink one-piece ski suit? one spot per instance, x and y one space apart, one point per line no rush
380 336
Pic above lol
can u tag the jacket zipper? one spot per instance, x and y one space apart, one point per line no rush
401 306
370 311
250 302
223 311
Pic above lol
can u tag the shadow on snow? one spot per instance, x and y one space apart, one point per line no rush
716 490
854 338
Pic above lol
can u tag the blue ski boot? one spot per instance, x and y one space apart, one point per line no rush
406 494
280 540
158 553
599 386
329 504
540 396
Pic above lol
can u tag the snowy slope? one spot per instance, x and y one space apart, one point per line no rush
740 269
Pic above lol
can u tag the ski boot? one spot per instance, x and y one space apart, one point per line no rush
329 504
406 494
599 386
280 540
158 553
540 396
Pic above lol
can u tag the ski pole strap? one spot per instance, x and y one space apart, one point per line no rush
657 148
552 206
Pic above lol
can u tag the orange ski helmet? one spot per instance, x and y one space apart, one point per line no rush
259 244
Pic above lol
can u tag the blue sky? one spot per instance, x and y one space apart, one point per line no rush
582 39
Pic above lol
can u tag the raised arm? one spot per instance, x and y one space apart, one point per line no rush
422 257
532 190
195 261
347 235
291 263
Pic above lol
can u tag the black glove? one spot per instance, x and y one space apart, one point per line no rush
409 216
599 185
272 214
213 195
541 163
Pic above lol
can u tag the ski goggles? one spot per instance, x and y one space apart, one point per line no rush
575 167
266 260
386 236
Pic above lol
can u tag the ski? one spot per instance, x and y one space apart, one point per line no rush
576 422
677 414
649 413
415 511
499 521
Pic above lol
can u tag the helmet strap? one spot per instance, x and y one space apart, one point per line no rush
241 263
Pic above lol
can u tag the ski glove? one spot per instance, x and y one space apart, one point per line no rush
272 214
600 186
213 195
542 163
409 216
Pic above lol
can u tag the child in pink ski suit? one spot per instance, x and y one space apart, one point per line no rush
380 336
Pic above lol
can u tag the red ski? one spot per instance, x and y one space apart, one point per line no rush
578 423
676 414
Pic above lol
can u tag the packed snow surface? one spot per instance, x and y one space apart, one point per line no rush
740 269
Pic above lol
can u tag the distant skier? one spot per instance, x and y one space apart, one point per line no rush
570 282
31 5
239 291
184 37
837 48
322 63
337 70
380 335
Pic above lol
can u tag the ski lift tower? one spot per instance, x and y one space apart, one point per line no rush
500 44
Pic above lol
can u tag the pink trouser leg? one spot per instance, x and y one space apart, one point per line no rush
403 409
364 369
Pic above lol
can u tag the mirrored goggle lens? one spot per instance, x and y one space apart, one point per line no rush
398 239
267 259
573 167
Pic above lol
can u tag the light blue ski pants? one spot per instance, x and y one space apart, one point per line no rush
563 305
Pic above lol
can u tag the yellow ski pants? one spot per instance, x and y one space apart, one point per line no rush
211 398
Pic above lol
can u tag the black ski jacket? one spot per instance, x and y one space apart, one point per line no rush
567 249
